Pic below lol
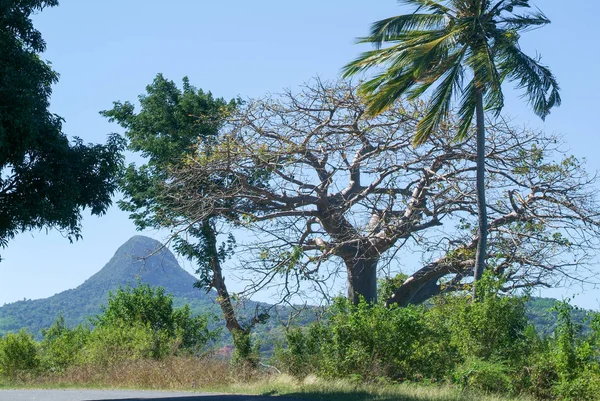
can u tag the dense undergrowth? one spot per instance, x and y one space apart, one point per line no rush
447 350
487 346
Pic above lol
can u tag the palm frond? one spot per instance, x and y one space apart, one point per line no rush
466 111
440 105
397 55
541 86
525 22
494 100
437 71
508 5
430 5
390 28
432 53
383 90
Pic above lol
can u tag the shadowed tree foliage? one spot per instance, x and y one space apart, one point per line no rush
348 193
45 181
456 49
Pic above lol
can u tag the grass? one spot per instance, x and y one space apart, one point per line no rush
213 375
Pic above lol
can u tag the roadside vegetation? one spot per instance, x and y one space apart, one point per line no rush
447 349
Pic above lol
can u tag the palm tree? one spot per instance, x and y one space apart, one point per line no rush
461 49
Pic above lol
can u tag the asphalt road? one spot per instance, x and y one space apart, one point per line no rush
122 395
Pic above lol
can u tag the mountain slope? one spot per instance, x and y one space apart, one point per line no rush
140 259
145 260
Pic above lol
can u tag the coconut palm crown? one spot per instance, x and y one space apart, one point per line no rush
458 48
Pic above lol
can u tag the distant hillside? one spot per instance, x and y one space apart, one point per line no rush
145 260
140 259
541 314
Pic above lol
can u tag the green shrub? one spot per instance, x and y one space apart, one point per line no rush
372 341
303 352
18 354
585 386
149 308
483 375
491 328
566 349
108 345
61 346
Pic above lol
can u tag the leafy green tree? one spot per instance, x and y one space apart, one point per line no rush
456 48
45 180
150 307
170 126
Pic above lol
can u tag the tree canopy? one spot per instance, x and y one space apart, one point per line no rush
45 179
344 186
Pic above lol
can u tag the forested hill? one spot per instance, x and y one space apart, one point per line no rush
145 260
139 259
542 315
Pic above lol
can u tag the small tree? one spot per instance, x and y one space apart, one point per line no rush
18 354
171 124
61 346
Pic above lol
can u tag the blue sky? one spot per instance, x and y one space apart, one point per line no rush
110 50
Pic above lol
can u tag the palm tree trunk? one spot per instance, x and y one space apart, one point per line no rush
480 186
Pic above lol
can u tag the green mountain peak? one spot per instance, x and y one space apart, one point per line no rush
139 260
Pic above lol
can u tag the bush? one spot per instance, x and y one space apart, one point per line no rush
108 345
302 355
18 354
61 346
483 375
145 308
491 328
586 386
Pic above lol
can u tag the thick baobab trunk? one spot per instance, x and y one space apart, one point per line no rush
480 183
417 289
362 279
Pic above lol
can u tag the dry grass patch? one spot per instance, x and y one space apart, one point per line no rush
209 374
174 373
315 388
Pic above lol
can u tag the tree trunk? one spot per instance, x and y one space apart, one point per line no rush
480 184
362 279
218 281
240 334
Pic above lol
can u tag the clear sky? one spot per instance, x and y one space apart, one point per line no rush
110 50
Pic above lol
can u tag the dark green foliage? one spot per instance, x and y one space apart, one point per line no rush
46 181
166 130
